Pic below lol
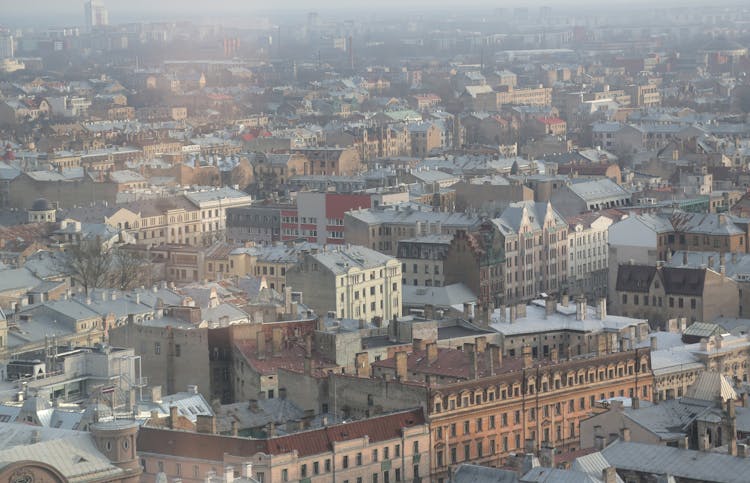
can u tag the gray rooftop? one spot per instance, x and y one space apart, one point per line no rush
681 463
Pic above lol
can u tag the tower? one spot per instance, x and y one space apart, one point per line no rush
116 440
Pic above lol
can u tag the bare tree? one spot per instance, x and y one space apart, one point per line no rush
88 263
129 269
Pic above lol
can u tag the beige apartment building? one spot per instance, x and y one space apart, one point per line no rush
351 282
196 218
387 448
536 250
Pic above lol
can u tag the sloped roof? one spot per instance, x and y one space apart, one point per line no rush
709 386
683 281
681 463
635 278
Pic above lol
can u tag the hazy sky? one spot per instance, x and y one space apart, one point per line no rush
70 12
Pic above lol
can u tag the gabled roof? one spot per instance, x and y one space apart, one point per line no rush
635 278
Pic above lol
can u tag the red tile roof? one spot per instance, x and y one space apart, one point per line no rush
291 357
451 363
213 447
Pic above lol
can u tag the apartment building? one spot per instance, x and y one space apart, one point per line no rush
389 448
196 218
482 406
588 254
328 161
660 293
423 259
318 217
349 282
535 237
382 227
477 260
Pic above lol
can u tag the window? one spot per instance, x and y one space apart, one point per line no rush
386 452
328 465
303 471
374 455
177 350
479 424
416 447
398 450
316 468
466 427
157 348
453 429
492 422
284 475
467 452
374 478
345 462
398 474
359 459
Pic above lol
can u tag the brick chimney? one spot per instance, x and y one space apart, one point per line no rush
581 308
601 308
432 353
609 475
550 306
363 364
527 359
173 416
496 358
480 344
205 424
402 367
277 336
260 342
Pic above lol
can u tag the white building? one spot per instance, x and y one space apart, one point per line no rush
588 254
96 15
349 282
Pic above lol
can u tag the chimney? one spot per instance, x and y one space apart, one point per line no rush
581 308
308 345
609 475
703 444
654 343
205 424
429 312
742 450
432 353
684 258
287 299
363 364
277 336
228 474
682 442
473 359
601 308
496 357
513 310
235 430
401 366
599 442
527 359
521 311
418 344
261 344
173 415
635 403
625 434
481 344
468 312
547 455
565 300
550 306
